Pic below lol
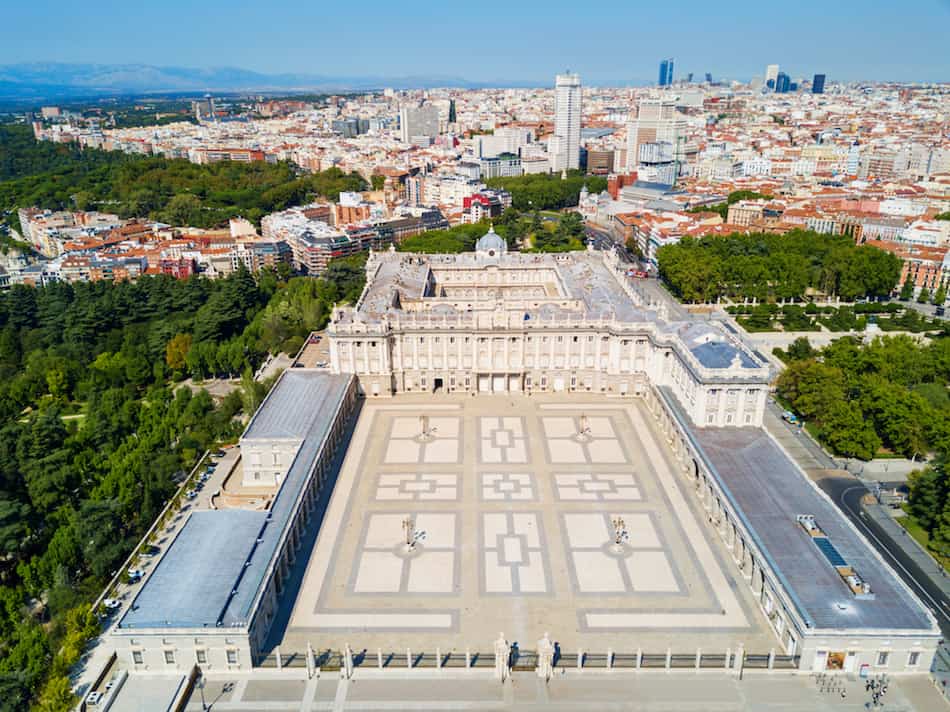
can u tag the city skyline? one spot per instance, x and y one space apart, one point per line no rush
291 39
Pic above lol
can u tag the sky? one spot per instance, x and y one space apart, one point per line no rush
490 41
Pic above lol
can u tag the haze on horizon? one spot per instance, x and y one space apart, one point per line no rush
494 41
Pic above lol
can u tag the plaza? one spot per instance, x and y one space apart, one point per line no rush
514 517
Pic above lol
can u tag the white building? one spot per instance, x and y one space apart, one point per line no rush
567 121
418 122
657 121
491 321
507 139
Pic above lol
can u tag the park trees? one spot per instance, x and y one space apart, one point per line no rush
769 267
93 432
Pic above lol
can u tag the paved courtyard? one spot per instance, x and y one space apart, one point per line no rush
455 518
651 692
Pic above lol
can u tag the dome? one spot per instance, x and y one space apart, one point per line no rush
491 243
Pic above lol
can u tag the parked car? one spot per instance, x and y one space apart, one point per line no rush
94 698
112 604
218 453
190 494
789 417
135 575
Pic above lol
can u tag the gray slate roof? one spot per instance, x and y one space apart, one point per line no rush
769 491
212 572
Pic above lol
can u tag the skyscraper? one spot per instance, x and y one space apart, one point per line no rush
709 79
567 121
782 83
818 84
771 74
666 72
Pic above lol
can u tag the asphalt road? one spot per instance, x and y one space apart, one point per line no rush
846 492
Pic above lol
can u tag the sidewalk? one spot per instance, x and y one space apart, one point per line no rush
909 545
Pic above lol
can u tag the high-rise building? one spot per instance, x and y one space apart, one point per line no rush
452 117
818 84
567 121
666 72
657 121
771 74
418 122
782 83
709 79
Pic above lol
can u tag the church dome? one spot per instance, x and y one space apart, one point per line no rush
491 244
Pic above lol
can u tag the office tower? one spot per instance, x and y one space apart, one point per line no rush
452 117
818 84
418 122
567 121
689 78
709 79
771 74
666 72
782 83
657 122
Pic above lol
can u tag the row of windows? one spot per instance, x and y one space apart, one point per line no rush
407 341
201 656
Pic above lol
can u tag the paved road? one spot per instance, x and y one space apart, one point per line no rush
847 493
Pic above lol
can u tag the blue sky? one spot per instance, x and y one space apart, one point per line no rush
493 41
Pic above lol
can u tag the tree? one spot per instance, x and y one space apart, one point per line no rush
843 427
941 295
377 181
907 290
177 350
927 495
924 296
800 349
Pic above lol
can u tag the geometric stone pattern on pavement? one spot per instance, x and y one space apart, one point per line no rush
642 567
586 487
502 439
422 487
408 445
568 445
384 567
512 518
513 487
513 553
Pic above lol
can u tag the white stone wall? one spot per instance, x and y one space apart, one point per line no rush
266 462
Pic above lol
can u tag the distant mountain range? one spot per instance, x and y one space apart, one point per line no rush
40 81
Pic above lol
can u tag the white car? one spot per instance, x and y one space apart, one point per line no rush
94 698
112 604
190 494
135 575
